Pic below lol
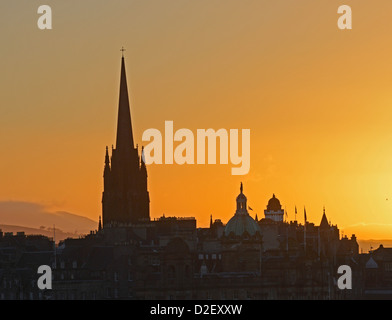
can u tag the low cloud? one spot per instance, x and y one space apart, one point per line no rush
372 230
35 215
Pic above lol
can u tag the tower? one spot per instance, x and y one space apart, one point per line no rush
125 198
274 210
241 224
324 224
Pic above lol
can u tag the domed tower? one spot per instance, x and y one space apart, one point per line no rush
274 210
241 222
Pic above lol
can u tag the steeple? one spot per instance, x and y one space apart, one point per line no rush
107 161
125 199
124 125
99 224
241 202
324 221
106 170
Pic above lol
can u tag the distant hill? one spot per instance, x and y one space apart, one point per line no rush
367 245
60 235
35 216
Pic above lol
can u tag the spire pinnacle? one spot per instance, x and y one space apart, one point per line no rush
107 161
324 221
100 224
122 51
124 124
241 187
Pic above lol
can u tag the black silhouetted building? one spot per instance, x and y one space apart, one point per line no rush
125 197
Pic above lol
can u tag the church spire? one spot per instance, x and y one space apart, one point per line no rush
106 169
324 221
124 124
107 161
125 198
99 224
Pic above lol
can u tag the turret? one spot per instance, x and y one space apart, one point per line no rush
99 224
107 162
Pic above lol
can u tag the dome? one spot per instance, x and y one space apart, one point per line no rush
274 204
241 223
241 197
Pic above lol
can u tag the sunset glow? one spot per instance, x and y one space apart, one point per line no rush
317 101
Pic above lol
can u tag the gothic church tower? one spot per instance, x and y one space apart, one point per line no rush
125 197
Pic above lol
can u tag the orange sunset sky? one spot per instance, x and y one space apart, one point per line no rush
317 99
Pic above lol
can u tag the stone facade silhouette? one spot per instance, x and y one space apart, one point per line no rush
125 198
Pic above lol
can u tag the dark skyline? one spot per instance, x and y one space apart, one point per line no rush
133 257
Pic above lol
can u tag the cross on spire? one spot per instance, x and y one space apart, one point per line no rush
122 51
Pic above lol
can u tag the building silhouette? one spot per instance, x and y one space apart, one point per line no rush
125 198
242 224
274 210
130 256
